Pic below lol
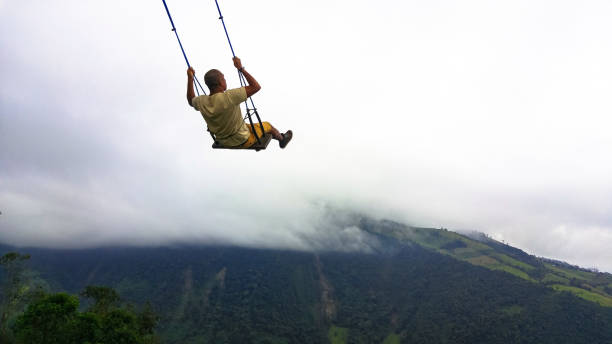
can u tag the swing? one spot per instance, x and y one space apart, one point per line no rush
262 142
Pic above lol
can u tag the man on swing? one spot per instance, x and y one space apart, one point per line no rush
221 109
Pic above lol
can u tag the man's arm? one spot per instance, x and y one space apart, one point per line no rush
190 92
253 85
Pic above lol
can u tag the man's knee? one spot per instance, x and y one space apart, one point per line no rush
267 127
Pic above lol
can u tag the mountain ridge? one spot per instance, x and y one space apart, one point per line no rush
485 251
413 285
476 248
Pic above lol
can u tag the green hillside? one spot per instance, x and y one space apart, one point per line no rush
491 254
417 285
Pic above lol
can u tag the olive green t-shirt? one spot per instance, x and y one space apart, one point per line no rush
222 114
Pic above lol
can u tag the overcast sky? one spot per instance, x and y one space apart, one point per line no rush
471 115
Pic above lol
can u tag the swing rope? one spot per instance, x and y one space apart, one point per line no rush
196 82
242 83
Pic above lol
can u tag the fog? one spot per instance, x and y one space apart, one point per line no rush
470 116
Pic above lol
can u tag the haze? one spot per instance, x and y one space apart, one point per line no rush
477 115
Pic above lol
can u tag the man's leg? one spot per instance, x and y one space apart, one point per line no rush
270 129
283 139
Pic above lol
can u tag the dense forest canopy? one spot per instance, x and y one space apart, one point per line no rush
419 286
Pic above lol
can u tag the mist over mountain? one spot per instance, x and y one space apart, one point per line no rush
374 281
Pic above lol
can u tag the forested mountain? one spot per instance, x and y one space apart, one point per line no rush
478 249
415 285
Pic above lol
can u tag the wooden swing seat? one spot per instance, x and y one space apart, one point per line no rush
257 146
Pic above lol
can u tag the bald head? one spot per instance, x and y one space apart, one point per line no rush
213 79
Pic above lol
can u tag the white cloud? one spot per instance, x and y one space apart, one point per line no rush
487 116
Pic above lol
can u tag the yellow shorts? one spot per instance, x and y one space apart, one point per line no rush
252 139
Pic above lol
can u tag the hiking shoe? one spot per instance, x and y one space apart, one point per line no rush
286 138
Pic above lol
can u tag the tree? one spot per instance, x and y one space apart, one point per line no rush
105 298
52 319
15 292
55 319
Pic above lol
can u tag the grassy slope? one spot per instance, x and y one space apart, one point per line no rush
392 339
338 335
494 255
